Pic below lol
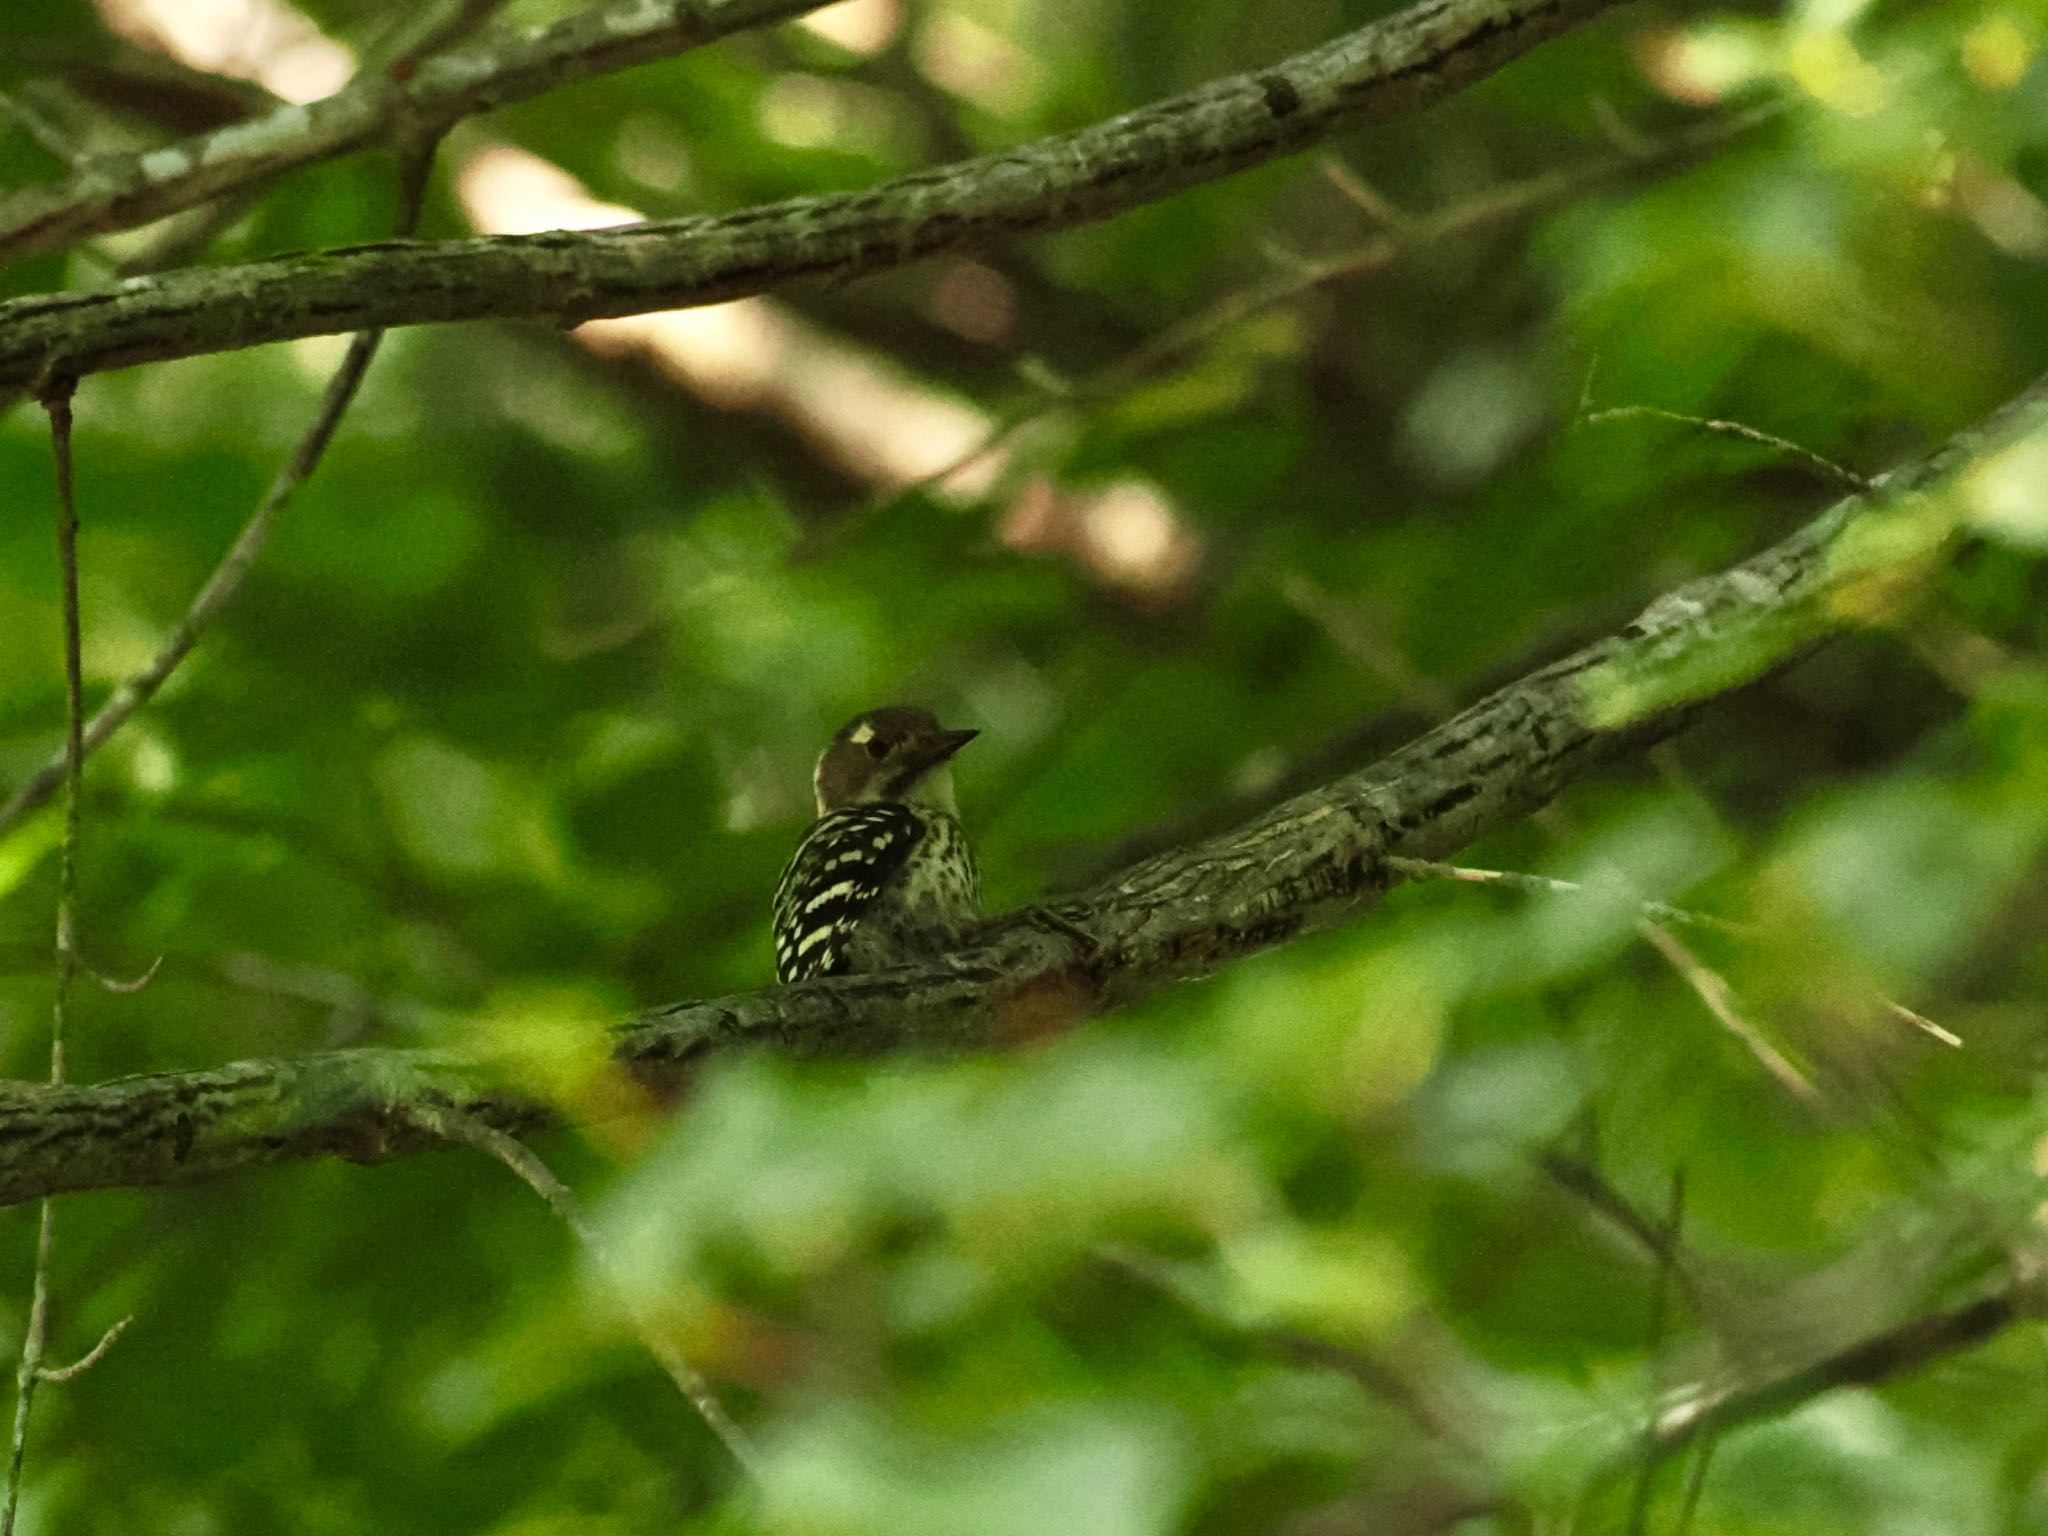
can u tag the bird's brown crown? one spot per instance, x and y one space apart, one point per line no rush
897 752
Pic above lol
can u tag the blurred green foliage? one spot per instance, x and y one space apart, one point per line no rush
512 727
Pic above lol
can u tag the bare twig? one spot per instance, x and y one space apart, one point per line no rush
1659 911
130 985
1366 197
432 31
1710 985
454 1125
353 1009
30 1372
91 1357
1658 1241
52 139
57 402
68 770
1706 1412
1406 232
226 580
1695 1485
181 237
1586 386
1925 1025
1660 1304
1362 646
1821 464
1617 130
1712 989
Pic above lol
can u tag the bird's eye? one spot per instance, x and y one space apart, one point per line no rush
877 747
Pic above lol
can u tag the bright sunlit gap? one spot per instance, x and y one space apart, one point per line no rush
267 41
863 27
1127 534
864 414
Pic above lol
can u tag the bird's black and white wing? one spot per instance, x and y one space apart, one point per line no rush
843 864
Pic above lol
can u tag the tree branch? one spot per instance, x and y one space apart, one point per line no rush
1323 856
57 403
112 192
1868 1363
1311 862
1393 66
525 1163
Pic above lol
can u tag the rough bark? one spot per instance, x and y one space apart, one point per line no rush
1393 66
1316 860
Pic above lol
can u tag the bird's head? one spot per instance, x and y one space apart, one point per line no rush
896 753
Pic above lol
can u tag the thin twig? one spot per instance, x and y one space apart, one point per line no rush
1712 989
353 1010
50 138
1695 1485
1870 1363
415 163
1366 197
1826 467
132 985
226 580
30 1371
1364 647
453 1125
1582 1179
1406 1391
1409 232
423 34
1401 233
57 402
91 1357
1660 1306
1663 912
1617 130
180 237
1925 1025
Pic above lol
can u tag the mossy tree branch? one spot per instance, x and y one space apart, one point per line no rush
1391 67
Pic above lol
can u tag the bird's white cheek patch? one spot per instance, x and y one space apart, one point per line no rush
862 735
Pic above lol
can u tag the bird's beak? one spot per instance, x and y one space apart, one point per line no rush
940 746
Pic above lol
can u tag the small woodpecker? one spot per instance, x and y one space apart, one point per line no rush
885 872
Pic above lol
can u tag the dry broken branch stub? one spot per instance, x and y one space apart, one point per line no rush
1313 861
1393 66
